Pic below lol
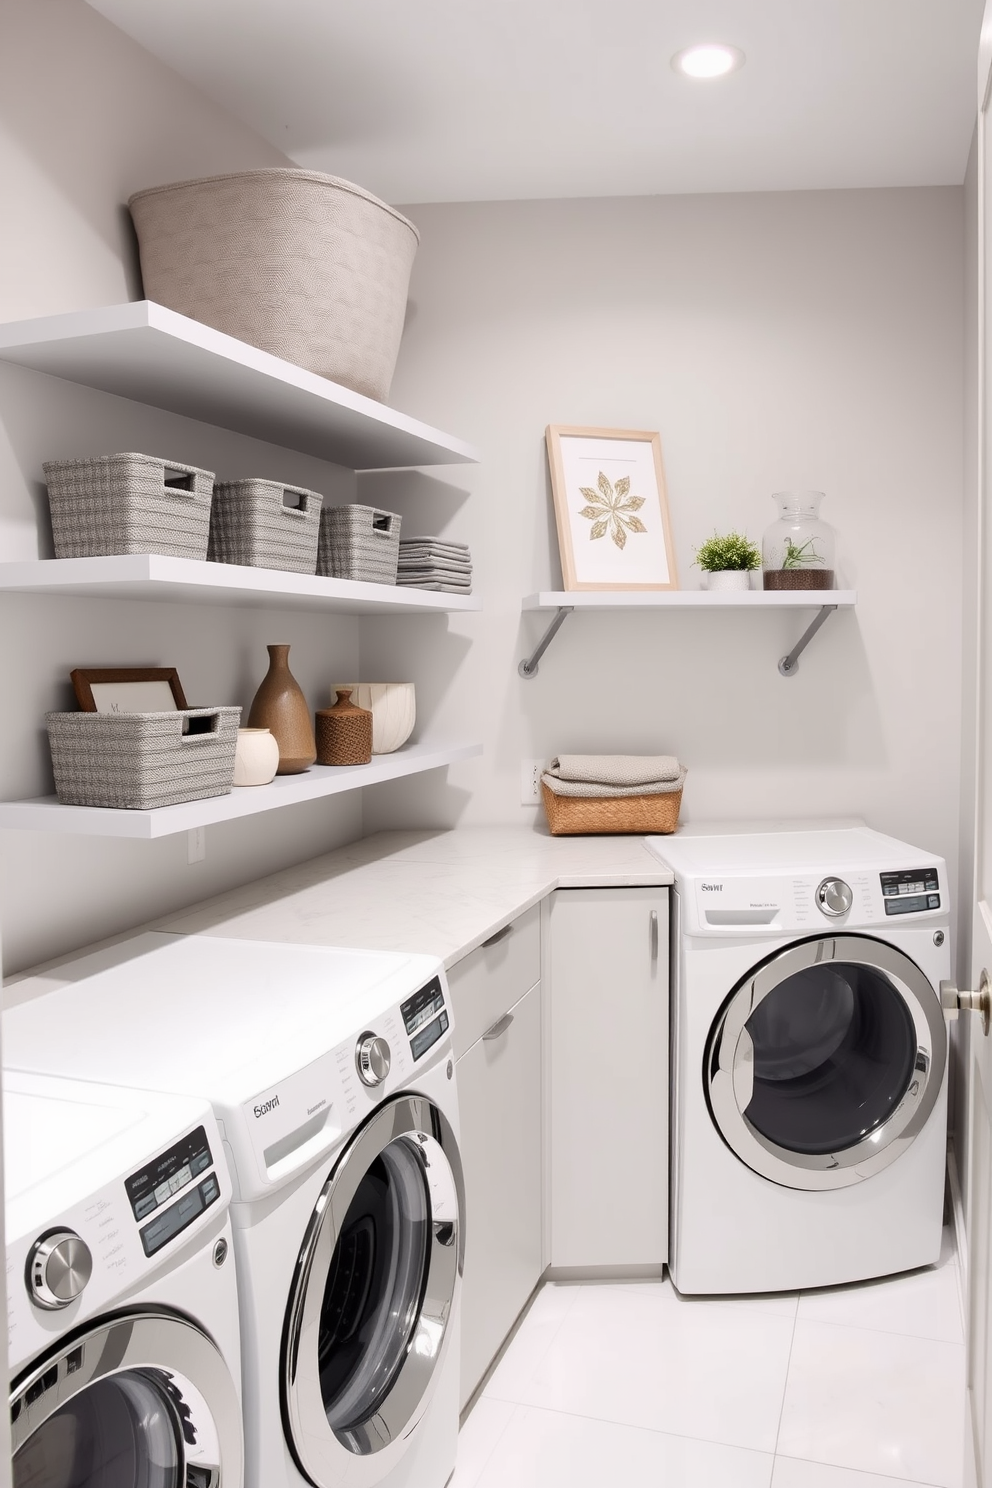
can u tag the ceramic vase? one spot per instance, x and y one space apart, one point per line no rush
738 579
256 758
279 705
393 708
344 732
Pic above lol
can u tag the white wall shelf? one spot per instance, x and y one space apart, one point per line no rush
153 355
564 602
154 576
46 814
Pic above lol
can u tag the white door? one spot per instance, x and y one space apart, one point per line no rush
979 1175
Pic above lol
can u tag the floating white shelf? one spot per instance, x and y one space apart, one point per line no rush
153 355
825 601
45 814
153 576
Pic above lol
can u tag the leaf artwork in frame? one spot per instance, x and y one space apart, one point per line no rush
611 508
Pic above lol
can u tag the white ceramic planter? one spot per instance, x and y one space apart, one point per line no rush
393 709
729 578
256 758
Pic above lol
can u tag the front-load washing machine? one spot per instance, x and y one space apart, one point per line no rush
332 1077
810 1057
122 1305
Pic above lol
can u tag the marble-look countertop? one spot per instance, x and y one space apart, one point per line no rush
441 892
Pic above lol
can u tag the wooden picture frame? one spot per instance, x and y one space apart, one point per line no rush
128 689
611 508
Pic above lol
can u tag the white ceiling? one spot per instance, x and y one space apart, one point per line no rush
460 100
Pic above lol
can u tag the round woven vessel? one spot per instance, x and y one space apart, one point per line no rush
344 732
798 578
586 816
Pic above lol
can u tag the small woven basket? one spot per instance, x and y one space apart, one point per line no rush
128 504
261 524
359 542
585 815
142 760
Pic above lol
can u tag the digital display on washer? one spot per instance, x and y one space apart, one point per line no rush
422 1006
911 891
422 1041
165 1226
164 1177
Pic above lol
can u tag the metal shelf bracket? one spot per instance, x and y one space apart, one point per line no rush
528 668
789 665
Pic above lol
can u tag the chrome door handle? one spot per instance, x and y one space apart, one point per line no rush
743 1073
953 1001
654 934
499 1027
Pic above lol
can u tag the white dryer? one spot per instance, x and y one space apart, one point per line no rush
810 1057
121 1295
332 1077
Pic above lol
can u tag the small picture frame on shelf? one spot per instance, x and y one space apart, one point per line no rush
128 689
611 509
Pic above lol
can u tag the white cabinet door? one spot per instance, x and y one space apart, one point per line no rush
609 1077
499 1097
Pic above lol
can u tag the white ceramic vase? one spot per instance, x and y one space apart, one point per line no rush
256 757
729 578
393 709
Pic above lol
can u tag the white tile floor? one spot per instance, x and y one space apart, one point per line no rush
628 1385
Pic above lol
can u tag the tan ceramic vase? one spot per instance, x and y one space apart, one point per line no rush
279 705
344 732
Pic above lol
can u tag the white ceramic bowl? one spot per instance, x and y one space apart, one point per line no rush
393 709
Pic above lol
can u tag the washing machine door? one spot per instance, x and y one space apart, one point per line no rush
826 1061
369 1318
135 1400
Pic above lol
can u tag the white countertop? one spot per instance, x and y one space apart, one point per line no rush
442 892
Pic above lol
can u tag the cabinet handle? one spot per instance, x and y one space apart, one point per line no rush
654 934
500 935
499 1027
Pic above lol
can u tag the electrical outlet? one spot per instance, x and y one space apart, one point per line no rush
531 771
196 844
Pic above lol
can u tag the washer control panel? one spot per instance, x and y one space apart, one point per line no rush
425 1017
910 891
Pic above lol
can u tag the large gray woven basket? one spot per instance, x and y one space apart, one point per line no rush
264 525
306 266
359 542
128 503
142 760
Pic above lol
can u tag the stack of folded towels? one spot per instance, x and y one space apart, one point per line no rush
605 775
435 563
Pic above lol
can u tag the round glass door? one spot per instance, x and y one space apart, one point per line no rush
142 1400
826 1061
374 1289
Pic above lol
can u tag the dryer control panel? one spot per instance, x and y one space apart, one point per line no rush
910 891
806 903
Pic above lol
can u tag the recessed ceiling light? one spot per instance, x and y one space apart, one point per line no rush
709 60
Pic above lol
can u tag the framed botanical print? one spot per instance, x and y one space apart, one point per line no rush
611 508
128 689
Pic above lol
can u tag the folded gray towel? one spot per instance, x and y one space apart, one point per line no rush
442 543
616 769
445 586
593 790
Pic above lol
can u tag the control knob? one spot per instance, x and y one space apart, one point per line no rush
59 1266
834 897
372 1058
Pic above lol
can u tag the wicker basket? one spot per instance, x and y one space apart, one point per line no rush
264 525
142 760
358 542
585 815
128 504
303 265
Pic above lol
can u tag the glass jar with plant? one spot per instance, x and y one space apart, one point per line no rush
797 551
727 560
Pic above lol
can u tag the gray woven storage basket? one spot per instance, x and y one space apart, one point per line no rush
128 504
306 266
142 760
359 542
264 525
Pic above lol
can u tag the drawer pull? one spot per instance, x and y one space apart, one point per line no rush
500 935
499 1027
654 935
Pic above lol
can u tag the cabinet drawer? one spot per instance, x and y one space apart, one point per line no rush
493 977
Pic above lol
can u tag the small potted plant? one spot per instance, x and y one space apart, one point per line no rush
727 560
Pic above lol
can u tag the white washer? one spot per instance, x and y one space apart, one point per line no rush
332 1077
121 1293
810 1057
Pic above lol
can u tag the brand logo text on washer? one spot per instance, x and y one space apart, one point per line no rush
712 888
265 1107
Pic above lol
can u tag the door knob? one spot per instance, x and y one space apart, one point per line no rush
952 1000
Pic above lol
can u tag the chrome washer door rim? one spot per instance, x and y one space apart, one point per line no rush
728 1055
319 1450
